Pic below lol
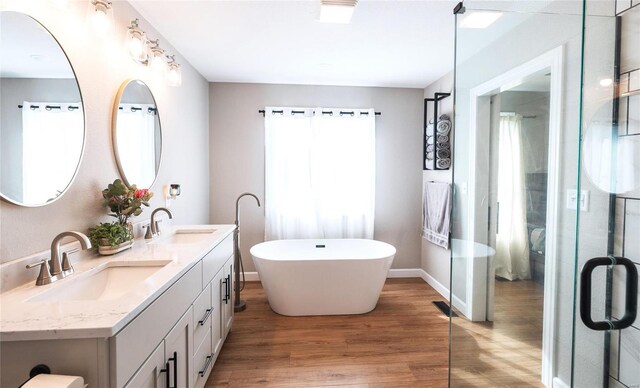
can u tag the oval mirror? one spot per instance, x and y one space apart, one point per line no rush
137 136
42 129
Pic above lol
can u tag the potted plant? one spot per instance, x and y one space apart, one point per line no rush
124 202
111 237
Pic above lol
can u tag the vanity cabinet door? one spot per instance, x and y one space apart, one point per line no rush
217 293
229 298
179 353
152 374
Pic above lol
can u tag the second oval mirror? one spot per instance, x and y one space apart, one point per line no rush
137 136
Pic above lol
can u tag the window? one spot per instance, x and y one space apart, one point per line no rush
52 137
319 173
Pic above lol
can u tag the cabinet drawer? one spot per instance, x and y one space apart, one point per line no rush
133 344
202 362
202 316
213 261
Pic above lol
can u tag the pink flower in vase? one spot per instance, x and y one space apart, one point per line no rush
140 193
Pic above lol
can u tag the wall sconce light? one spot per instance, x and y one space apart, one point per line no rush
156 55
174 190
101 16
171 191
136 42
174 74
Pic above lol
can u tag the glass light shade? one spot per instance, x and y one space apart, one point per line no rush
136 42
100 16
174 75
331 13
156 56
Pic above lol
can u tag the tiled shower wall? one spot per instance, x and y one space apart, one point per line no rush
625 352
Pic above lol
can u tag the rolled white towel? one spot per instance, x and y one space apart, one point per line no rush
429 155
431 140
430 130
431 148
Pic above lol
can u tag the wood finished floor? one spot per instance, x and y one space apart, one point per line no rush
506 352
402 343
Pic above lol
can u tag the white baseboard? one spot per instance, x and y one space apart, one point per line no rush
252 276
404 273
557 383
442 290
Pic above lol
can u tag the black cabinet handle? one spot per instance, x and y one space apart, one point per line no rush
224 297
166 376
173 359
228 287
631 299
204 319
206 365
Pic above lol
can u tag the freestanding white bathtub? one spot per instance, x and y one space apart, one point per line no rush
323 277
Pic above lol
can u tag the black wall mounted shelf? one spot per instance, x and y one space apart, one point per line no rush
432 153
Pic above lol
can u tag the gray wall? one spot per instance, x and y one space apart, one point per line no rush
435 260
237 156
101 65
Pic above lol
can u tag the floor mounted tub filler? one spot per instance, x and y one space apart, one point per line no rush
323 277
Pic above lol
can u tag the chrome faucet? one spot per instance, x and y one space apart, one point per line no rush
52 270
153 229
62 269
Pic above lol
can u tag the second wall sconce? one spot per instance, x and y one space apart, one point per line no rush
136 43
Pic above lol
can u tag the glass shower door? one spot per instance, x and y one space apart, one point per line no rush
546 178
607 331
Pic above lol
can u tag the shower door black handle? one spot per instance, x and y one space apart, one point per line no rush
631 297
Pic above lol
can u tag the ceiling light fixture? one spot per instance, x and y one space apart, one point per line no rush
479 19
136 43
337 11
101 16
174 74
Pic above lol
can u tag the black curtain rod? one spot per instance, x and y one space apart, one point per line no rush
136 109
49 107
330 113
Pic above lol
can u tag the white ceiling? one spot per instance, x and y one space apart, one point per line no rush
388 43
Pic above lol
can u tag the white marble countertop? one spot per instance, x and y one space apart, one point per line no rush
23 319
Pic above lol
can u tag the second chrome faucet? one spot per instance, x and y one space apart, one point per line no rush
153 229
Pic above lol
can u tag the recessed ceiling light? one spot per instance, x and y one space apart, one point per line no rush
337 11
480 19
606 82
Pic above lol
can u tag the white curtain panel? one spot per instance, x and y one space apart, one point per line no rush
136 143
51 147
512 243
319 174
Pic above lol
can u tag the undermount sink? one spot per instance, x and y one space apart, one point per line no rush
186 236
111 282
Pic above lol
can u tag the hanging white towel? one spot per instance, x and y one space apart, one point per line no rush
436 213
